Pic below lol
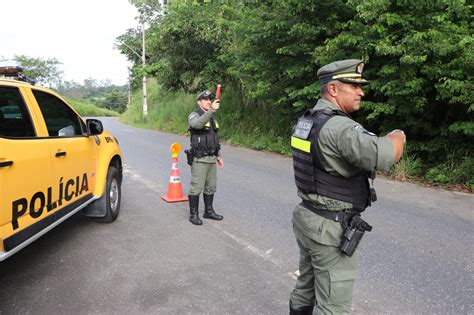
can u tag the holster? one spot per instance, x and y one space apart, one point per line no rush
352 234
189 156
353 226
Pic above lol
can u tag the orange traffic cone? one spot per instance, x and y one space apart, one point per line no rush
175 191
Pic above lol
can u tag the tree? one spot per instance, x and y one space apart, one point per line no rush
115 100
42 71
184 47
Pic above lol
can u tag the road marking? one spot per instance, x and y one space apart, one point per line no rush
134 175
264 254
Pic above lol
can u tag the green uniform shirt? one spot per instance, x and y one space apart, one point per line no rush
346 150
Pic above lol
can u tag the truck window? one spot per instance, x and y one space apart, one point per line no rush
15 120
61 121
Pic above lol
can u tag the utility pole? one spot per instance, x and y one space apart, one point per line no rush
145 104
129 89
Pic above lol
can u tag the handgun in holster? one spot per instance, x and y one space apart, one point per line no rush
352 234
189 156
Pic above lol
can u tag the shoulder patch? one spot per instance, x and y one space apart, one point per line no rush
359 128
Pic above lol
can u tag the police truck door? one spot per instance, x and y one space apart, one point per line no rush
25 171
74 153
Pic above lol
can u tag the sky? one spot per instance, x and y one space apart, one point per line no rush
78 33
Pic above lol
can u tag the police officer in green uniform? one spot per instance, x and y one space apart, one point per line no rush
335 159
205 149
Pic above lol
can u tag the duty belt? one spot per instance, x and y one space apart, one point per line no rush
201 153
338 216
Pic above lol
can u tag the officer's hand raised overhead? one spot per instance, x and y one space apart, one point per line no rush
215 105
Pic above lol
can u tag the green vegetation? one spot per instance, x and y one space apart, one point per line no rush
101 94
43 71
409 167
87 109
266 54
453 172
167 111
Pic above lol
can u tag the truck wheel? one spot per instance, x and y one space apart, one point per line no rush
111 198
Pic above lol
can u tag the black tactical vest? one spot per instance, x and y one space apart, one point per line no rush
205 142
310 175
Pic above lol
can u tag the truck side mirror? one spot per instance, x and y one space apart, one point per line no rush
95 127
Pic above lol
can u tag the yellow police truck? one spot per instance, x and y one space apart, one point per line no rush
53 163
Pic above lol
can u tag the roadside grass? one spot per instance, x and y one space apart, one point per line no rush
458 169
454 175
87 109
166 111
409 167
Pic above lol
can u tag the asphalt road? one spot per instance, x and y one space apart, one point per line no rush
418 259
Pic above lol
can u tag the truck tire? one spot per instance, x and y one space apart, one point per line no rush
112 197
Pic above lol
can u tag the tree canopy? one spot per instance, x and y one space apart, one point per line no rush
43 71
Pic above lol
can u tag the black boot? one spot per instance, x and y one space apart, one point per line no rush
193 209
209 212
303 310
